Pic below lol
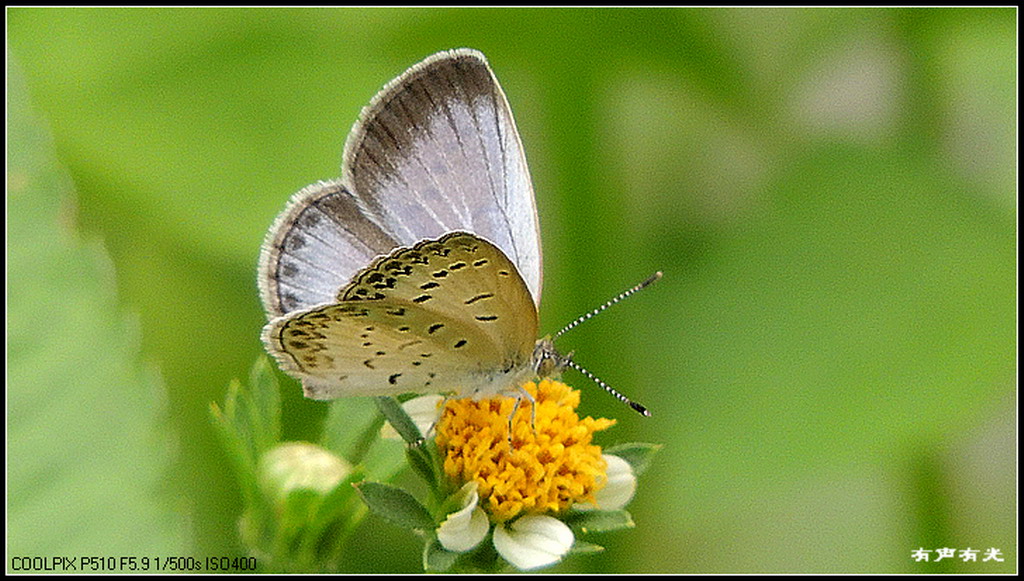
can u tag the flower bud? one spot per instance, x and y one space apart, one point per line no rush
294 465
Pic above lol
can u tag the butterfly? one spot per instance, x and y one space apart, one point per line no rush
419 270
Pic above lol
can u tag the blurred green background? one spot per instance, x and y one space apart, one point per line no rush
831 193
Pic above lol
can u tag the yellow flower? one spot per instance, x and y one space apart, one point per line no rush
529 490
549 464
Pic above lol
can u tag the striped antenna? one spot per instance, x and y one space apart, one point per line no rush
568 362
650 280
606 387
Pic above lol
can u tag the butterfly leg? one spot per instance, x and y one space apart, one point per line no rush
523 394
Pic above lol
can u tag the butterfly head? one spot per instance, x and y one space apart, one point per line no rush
547 361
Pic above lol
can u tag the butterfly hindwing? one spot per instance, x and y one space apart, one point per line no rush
378 348
318 243
462 276
444 315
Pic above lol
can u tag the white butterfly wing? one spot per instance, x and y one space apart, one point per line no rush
437 151
318 243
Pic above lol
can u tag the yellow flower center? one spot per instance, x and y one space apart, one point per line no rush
550 464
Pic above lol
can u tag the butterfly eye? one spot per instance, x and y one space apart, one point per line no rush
546 360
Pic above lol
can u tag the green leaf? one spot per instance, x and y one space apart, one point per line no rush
265 412
584 548
249 424
396 505
400 420
297 511
599 521
637 454
436 559
252 413
352 429
424 461
87 444
338 501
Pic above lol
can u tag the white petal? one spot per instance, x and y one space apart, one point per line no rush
463 530
466 527
533 541
424 411
618 490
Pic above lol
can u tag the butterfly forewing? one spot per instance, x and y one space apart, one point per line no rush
447 315
438 151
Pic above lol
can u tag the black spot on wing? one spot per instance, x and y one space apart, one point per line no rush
479 297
